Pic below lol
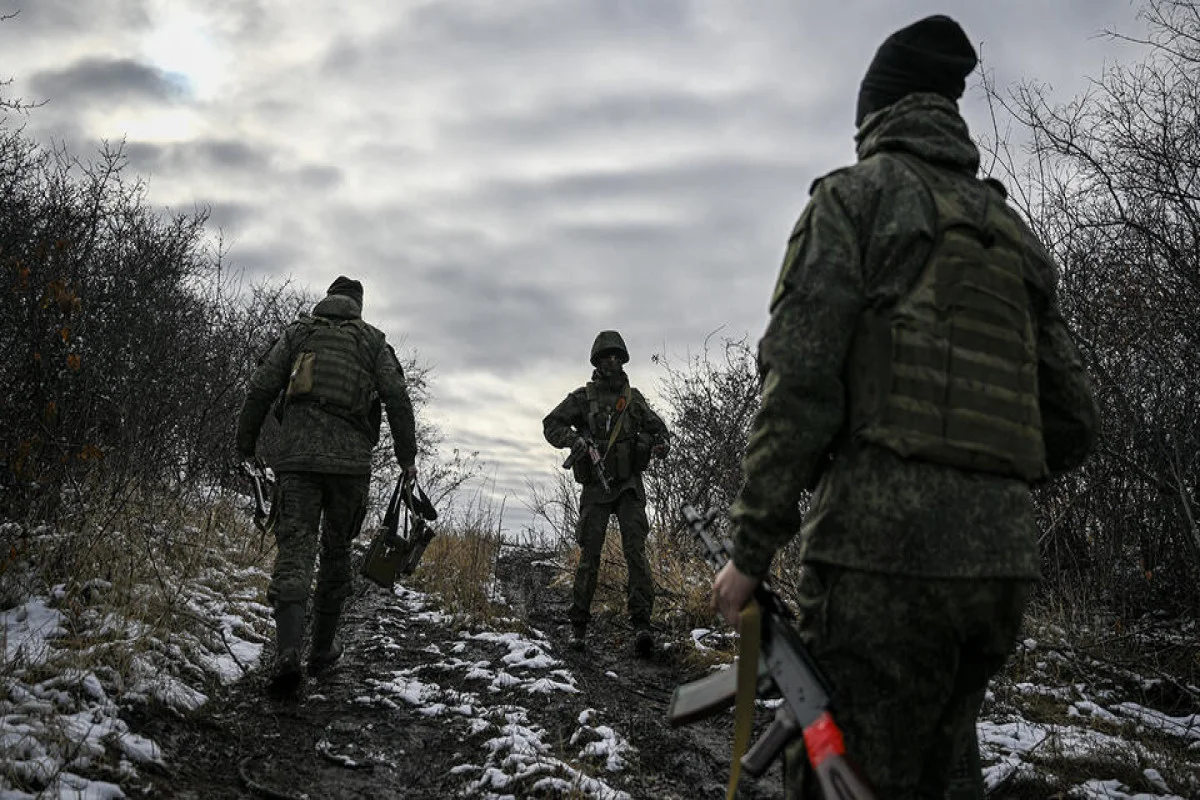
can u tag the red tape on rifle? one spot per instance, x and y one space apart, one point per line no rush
823 739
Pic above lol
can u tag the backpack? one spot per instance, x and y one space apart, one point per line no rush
949 373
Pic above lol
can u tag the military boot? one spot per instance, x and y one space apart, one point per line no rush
326 650
643 640
578 640
289 636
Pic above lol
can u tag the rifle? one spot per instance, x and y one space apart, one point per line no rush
262 483
784 666
587 447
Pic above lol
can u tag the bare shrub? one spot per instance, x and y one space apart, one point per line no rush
1112 184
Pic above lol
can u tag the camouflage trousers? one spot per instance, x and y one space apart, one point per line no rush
909 660
590 532
312 503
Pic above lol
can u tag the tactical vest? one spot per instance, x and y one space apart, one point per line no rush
334 368
628 453
949 373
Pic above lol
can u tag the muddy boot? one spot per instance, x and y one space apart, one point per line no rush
326 650
289 635
643 641
578 640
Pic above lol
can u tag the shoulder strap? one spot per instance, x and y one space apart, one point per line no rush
623 407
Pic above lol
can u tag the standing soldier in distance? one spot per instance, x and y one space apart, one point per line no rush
917 372
618 420
333 369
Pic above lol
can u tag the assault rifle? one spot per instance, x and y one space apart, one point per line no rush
587 447
262 484
787 668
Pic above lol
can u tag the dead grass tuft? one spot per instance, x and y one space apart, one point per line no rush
459 565
129 575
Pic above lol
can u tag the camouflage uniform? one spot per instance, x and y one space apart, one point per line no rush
591 411
915 573
324 460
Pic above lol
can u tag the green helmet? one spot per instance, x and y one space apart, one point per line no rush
607 341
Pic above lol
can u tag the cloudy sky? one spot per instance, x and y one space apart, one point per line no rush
506 177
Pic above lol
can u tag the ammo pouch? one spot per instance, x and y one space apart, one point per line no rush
301 381
642 448
620 461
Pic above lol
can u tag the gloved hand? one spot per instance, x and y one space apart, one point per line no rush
410 473
659 450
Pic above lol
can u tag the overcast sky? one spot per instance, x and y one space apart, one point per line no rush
506 177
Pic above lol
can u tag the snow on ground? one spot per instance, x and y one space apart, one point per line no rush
516 756
69 670
67 675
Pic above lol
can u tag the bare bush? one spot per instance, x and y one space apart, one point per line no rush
710 403
1112 184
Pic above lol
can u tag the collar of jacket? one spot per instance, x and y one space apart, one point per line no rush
619 381
926 125
338 306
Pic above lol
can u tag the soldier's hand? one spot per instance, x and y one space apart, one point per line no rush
410 473
659 450
731 590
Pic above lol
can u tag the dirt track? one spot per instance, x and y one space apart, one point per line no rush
343 740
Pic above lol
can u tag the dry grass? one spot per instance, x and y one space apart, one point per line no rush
1084 653
459 566
139 564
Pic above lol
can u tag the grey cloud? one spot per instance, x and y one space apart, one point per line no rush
230 218
100 81
197 156
41 16
654 115
268 260
319 177
484 28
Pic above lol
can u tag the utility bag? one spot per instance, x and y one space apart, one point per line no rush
394 551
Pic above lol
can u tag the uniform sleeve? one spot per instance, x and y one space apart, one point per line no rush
654 424
389 382
1070 415
814 311
560 425
268 380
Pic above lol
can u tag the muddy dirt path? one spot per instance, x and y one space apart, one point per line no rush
417 710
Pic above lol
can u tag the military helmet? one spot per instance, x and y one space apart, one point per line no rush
607 341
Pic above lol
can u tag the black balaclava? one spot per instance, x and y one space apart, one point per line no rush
931 55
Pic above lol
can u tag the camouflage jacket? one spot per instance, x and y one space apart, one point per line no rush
569 420
311 438
861 242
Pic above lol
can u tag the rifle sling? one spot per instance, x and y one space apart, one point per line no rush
616 431
750 626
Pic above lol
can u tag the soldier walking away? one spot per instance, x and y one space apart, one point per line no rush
614 418
919 378
329 375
